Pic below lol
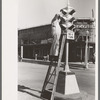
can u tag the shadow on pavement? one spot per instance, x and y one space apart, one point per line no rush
58 98
25 89
36 61
77 66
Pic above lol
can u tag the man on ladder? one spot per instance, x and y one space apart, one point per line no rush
56 33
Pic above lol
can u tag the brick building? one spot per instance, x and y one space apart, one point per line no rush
38 40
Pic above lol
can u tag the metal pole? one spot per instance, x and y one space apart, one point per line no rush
21 53
81 53
86 51
68 3
67 52
21 50
35 56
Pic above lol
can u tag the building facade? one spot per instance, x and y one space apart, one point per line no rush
35 43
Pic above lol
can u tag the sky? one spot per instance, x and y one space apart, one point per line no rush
33 13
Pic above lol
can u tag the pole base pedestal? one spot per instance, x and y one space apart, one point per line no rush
67 83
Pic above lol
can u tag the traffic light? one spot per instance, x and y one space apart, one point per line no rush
68 9
67 18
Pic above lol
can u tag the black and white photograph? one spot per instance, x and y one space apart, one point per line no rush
57 50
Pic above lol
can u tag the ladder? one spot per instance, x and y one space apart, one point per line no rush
49 94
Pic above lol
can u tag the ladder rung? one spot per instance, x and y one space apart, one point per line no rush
48 90
52 74
50 82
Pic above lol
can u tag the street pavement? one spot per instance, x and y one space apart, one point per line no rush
32 75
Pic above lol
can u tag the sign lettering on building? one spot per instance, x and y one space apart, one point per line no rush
84 26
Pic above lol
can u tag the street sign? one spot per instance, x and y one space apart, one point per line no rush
70 35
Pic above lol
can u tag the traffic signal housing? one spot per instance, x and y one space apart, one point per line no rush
67 18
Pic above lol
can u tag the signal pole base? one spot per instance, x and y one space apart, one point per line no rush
67 83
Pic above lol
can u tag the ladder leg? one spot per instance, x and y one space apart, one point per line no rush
54 70
58 65
47 76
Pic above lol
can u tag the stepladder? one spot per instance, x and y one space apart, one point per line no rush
50 83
